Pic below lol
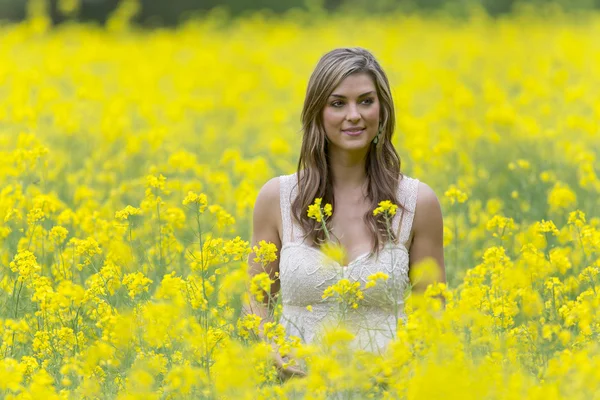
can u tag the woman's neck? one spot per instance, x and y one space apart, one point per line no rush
347 171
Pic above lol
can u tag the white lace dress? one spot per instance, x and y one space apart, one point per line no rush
304 274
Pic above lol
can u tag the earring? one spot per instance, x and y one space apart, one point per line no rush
376 140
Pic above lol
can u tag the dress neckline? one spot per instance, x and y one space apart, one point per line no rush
365 255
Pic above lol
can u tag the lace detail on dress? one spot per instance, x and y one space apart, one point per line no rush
304 274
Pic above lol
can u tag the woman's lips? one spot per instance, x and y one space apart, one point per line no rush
353 132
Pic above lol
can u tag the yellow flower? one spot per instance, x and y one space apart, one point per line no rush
316 212
523 164
13 213
544 226
86 248
127 211
25 264
137 283
337 336
11 374
426 270
547 176
183 379
274 331
248 323
58 234
335 252
157 182
386 207
345 292
259 284
561 197
34 216
502 226
199 199
223 217
455 195
373 278
265 252
577 218
531 303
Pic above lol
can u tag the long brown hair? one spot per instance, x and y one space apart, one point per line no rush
382 163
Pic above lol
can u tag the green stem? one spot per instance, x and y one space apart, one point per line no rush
31 237
130 240
17 302
455 237
62 262
160 266
205 360
325 228
585 259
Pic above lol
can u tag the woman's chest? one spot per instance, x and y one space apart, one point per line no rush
305 274
349 227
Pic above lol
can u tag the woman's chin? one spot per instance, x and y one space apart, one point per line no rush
353 145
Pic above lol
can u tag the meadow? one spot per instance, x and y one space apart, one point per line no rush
130 161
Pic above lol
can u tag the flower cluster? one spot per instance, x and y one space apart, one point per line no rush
345 292
127 211
373 278
455 195
137 283
248 324
200 200
318 212
260 284
386 207
265 252
25 264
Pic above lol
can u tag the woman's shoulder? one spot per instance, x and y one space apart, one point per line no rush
270 190
407 191
267 200
426 198
407 179
270 193
419 193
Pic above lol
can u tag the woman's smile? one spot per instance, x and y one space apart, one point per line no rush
353 131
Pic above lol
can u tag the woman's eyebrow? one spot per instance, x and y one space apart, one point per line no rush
343 97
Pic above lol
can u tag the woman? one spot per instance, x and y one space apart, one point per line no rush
348 160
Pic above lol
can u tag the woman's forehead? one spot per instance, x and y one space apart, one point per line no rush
355 85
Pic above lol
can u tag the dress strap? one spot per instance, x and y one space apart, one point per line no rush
407 196
288 186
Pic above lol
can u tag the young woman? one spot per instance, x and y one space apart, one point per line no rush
347 159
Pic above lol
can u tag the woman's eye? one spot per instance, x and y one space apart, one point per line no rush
339 103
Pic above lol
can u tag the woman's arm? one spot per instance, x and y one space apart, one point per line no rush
266 226
428 235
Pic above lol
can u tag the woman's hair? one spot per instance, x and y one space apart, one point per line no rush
382 162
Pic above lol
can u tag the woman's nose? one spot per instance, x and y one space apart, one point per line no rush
353 113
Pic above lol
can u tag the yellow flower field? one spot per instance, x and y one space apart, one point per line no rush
130 162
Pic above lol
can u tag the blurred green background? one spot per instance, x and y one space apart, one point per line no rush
171 12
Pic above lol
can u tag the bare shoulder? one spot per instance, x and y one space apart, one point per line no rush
269 192
428 209
267 211
426 196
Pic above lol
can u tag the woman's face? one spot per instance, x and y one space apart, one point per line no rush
351 114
